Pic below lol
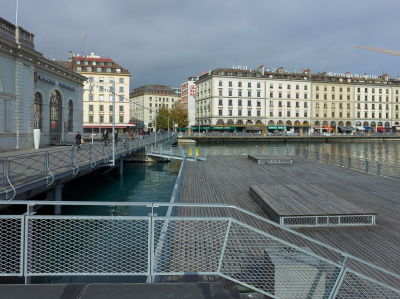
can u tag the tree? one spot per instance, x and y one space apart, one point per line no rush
176 114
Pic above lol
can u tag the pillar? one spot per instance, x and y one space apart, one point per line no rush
121 166
58 197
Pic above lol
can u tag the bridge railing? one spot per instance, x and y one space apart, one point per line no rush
361 164
43 165
261 259
178 152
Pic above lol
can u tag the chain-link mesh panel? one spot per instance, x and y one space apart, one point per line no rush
87 245
389 170
10 245
188 245
356 286
274 267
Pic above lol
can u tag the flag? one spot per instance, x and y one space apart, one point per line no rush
86 36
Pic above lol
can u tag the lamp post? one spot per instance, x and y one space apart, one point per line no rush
113 122
284 120
155 128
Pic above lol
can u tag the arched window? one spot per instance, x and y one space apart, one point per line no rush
305 123
55 116
348 123
358 123
37 111
249 122
380 124
289 123
387 124
280 122
220 122
373 124
230 122
317 123
259 122
340 124
297 123
325 124
271 122
333 123
70 116
239 122
366 124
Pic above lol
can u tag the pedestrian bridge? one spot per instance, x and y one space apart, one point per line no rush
178 153
30 173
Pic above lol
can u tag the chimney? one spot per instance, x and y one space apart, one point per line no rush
385 77
70 56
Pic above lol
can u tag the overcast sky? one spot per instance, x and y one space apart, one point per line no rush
166 42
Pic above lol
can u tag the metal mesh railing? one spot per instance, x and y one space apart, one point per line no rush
26 168
41 245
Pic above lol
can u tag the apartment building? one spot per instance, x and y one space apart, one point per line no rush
102 73
188 99
240 99
145 101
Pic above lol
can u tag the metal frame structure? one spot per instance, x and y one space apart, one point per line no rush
48 245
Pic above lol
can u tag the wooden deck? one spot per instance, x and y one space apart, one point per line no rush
226 179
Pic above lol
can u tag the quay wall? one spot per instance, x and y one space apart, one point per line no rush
324 139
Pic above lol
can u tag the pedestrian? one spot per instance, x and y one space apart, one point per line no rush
78 140
131 134
105 136
141 134
116 137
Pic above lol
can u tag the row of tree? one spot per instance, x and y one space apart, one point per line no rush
176 115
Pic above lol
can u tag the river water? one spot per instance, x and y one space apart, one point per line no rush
154 182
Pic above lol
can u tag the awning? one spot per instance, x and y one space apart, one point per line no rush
381 129
107 126
327 128
367 128
346 129
397 128
360 128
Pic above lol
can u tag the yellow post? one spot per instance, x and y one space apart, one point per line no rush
190 152
197 152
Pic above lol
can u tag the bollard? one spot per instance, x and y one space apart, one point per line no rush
378 168
327 158
306 153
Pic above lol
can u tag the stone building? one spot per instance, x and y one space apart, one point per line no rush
35 92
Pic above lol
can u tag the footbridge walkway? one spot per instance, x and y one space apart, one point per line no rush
25 174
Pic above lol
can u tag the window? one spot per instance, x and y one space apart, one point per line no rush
240 93
86 62
101 88
258 94
220 102
101 79
220 112
220 83
110 108
230 112
239 102
271 85
90 97
101 98
230 102
90 107
230 83
101 118
239 112
90 79
248 112
101 108
108 70
91 118
121 118
249 93
79 69
249 103
121 80
249 84
110 118
258 112
118 71
37 108
121 89
239 84
258 103
89 69
220 92
99 69
230 93
111 80
258 85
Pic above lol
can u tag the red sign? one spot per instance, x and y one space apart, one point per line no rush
192 90
92 58
203 73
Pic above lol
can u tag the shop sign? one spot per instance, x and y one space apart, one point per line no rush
223 128
276 127
37 77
